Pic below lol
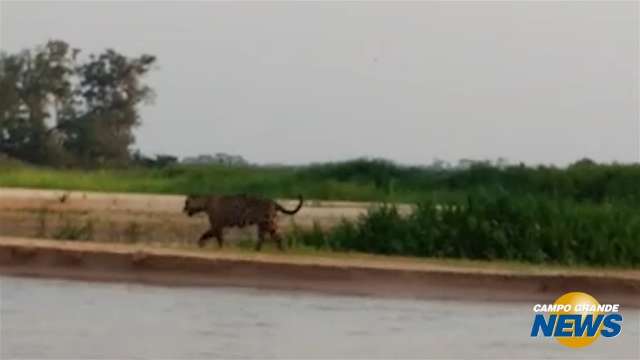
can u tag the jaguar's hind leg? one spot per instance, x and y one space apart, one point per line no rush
261 234
218 235
203 239
277 238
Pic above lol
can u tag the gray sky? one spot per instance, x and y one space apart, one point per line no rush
296 82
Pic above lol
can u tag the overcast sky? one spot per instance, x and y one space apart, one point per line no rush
298 82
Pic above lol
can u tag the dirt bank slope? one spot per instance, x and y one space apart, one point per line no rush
377 276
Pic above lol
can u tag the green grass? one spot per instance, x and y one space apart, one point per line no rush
358 180
274 182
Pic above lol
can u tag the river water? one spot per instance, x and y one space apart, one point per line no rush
54 319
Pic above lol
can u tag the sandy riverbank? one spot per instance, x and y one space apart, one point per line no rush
375 276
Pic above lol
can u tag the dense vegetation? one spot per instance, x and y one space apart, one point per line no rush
522 228
376 180
584 214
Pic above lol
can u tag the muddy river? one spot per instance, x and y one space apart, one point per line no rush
55 319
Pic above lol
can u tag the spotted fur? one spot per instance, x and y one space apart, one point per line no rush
238 211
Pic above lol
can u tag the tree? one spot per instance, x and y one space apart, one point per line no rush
439 165
53 105
160 161
32 85
217 159
584 162
109 91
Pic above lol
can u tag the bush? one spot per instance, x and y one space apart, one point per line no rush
505 227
